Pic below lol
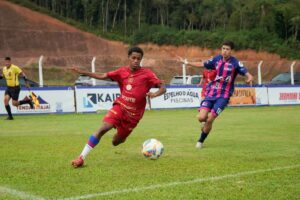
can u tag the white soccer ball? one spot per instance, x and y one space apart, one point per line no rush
152 149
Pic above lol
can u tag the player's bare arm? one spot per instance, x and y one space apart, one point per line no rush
160 91
90 74
249 79
192 64
195 64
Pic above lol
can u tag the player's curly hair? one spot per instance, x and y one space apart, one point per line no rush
135 49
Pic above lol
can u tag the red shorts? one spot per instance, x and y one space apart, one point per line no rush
122 120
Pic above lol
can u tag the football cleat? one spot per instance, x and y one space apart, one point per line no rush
78 162
199 145
31 104
9 118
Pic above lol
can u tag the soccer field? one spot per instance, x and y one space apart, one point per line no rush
252 153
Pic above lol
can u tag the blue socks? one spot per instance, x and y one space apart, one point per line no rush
93 141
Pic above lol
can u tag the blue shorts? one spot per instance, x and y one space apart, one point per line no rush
215 106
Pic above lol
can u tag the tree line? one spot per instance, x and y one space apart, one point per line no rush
271 25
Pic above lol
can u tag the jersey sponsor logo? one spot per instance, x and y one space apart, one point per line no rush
226 79
128 99
218 78
127 108
128 87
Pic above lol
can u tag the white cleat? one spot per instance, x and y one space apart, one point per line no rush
199 145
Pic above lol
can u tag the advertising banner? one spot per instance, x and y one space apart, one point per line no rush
92 99
178 97
51 100
284 95
261 94
249 96
243 96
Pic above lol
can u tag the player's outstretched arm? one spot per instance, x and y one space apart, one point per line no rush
90 74
249 79
192 64
160 91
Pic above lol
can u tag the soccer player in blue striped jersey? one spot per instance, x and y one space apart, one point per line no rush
221 88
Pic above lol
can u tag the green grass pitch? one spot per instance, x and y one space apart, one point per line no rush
251 153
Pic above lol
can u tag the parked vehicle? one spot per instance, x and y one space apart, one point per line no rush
285 78
88 81
190 80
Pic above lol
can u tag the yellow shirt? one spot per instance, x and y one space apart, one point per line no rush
12 75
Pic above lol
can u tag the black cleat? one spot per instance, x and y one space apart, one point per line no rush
9 118
31 104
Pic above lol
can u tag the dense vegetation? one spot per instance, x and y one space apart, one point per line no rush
271 25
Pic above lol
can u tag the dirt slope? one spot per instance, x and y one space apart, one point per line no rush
26 34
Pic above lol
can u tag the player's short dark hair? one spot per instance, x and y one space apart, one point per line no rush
135 49
7 58
228 43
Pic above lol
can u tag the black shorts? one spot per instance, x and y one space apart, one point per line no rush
13 92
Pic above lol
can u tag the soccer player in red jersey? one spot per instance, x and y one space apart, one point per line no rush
135 83
219 90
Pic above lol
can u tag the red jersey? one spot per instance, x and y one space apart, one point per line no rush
208 76
134 85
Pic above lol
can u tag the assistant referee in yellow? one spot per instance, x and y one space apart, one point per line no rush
11 74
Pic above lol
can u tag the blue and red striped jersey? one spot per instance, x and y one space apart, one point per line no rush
223 85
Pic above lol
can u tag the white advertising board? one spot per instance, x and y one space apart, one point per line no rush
189 97
284 95
177 97
261 96
52 100
92 99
